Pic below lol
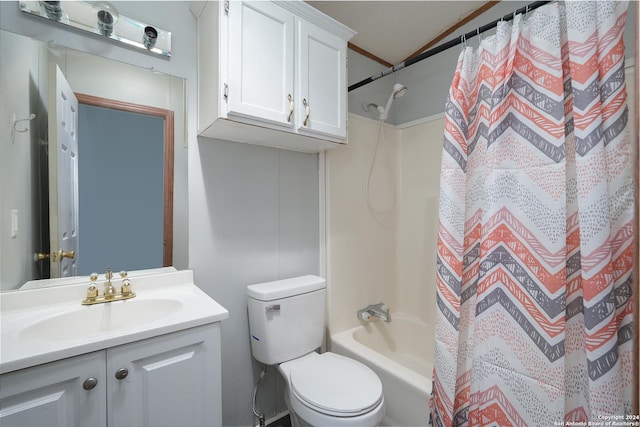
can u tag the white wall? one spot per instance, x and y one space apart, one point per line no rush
19 87
255 221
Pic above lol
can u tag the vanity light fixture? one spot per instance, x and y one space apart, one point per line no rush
107 17
53 10
150 36
103 19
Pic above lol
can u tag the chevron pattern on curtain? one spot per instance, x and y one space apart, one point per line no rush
535 243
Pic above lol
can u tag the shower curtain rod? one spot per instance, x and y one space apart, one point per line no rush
451 43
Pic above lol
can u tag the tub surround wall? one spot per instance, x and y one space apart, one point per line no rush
389 258
419 153
361 261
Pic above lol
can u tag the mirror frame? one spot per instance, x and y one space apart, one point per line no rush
167 116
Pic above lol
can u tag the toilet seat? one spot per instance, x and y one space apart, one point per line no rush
335 385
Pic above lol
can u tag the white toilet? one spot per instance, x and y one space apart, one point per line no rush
286 323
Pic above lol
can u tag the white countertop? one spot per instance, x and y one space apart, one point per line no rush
22 310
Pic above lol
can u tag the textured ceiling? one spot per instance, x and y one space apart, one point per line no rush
393 30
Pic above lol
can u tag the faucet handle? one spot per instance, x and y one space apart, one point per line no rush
92 293
125 290
364 315
108 275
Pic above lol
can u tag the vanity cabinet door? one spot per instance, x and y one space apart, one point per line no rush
67 393
171 380
322 78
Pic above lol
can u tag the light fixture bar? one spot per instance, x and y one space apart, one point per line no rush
102 19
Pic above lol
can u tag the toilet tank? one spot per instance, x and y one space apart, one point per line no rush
286 318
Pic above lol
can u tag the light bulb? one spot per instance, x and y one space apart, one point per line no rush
53 10
107 17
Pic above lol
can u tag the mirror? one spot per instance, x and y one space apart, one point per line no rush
24 195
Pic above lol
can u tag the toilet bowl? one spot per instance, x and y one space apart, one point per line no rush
329 389
286 328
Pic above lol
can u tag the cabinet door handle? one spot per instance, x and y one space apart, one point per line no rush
291 106
89 383
307 107
122 373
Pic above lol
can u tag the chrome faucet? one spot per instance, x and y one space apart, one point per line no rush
375 311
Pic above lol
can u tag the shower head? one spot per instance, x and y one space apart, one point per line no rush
398 91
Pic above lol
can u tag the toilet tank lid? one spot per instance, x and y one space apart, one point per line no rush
277 289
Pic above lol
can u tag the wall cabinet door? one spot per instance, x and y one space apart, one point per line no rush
260 63
321 73
61 393
172 380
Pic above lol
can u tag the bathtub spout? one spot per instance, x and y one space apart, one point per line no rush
376 311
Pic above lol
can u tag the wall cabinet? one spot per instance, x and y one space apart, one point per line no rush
272 73
169 380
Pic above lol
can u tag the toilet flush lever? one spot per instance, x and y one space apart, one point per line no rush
272 308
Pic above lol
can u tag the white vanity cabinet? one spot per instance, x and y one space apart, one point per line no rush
168 380
67 393
272 73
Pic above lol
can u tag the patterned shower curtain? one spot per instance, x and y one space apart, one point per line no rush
535 254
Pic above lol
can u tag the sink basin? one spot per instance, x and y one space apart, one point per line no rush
94 320
45 324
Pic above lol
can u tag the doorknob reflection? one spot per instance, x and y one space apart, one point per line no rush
70 254
54 256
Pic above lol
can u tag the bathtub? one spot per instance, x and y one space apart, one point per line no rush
401 353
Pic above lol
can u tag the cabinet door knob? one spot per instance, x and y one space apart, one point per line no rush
307 107
291 106
122 373
89 383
